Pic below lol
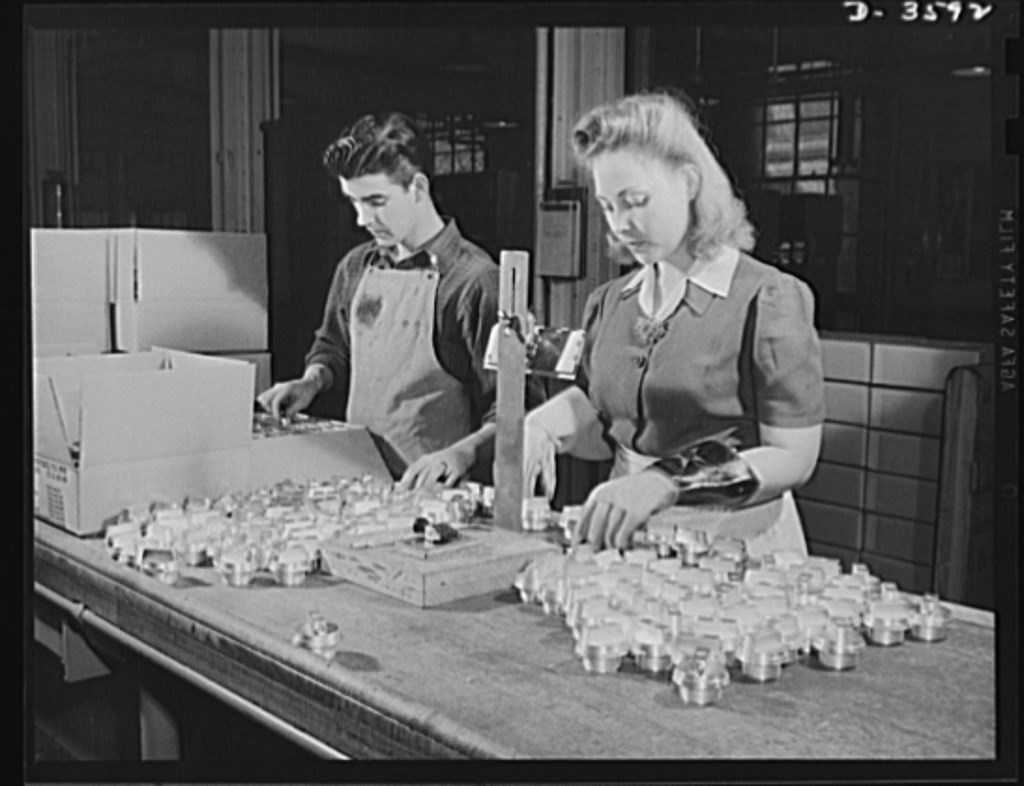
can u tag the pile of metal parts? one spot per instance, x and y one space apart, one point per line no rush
265 424
701 613
276 532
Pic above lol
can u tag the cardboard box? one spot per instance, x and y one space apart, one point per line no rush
112 431
261 360
199 291
129 290
71 291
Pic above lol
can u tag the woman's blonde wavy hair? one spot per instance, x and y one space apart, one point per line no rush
661 125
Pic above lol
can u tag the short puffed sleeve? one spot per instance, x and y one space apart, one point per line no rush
789 382
592 313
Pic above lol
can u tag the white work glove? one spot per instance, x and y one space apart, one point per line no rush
617 508
442 467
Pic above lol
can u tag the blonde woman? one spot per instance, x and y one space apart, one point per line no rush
702 375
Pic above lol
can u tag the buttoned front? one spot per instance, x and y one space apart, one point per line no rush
718 365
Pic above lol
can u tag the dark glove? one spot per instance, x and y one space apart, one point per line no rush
710 473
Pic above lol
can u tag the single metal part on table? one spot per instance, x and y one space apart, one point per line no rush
161 564
839 646
701 677
931 621
317 635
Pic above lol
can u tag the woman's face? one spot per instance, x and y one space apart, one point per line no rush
645 201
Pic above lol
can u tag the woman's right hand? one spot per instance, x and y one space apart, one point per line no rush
539 449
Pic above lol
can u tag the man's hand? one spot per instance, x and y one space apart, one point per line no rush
618 508
286 399
443 467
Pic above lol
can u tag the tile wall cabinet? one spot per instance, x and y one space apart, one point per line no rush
903 481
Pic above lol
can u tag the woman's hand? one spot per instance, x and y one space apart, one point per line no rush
618 508
539 449
443 467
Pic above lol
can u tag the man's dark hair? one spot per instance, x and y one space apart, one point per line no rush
388 143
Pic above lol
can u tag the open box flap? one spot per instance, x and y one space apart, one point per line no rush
189 406
49 430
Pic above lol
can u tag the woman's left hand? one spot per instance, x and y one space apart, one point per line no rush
618 508
444 467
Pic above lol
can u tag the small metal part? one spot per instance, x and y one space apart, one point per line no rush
842 607
813 622
691 545
722 568
930 622
889 592
700 678
650 648
291 566
747 616
695 579
161 564
793 636
317 635
762 654
771 606
765 576
871 583
785 559
236 567
839 646
603 647
887 622
729 548
725 631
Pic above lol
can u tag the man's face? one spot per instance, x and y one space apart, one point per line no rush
386 209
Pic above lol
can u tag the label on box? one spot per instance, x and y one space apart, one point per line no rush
53 483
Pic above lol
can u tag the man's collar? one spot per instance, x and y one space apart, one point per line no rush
436 252
713 276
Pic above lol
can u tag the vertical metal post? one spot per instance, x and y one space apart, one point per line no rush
511 406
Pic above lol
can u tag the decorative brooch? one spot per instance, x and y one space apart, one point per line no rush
649 331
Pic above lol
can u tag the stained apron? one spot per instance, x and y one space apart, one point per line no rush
769 526
398 389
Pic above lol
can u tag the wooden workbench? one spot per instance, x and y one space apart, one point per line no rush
490 677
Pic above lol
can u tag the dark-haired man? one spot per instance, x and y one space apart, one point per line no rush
407 317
